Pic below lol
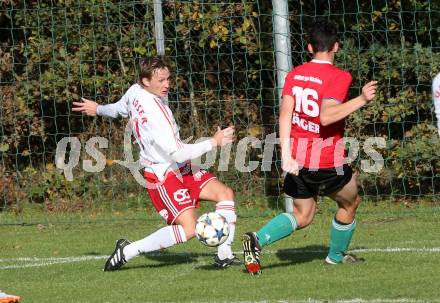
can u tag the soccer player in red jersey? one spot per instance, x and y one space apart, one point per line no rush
312 125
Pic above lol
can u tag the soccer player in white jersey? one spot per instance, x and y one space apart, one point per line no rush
175 187
436 99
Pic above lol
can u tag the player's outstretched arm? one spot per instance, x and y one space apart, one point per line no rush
112 110
333 111
87 107
192 151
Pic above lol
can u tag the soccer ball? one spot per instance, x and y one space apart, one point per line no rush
212 229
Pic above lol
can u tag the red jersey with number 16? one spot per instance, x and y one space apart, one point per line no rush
311 84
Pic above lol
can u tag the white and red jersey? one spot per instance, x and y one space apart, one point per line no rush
310 84
154 127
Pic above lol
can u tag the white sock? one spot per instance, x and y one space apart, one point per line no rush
162 238
227 210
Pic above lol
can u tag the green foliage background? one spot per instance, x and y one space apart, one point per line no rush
55 52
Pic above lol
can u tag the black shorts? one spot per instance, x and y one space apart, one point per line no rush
322 182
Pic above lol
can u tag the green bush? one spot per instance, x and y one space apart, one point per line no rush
53 53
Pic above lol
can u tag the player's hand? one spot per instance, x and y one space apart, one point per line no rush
87 107
223 136
369 90
290 165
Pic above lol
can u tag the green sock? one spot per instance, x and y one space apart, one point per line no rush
279 227
340 238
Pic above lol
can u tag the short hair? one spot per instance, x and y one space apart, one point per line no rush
323 35
149 65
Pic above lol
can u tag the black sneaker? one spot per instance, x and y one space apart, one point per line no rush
251 253
234 261
346 259
117 259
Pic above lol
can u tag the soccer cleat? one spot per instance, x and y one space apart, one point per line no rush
251 253
345 260
117 259
226 262
5 298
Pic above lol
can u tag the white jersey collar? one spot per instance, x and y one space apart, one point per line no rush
322 61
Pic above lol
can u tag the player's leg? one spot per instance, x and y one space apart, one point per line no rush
180 231
285 224
216 191
344 223
173 202
282 225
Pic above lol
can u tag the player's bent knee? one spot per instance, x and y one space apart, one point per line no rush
226 194
230 193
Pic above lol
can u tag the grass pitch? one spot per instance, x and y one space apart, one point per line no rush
60 260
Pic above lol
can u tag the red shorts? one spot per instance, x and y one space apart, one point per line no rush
176 193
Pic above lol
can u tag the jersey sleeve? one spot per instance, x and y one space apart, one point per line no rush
114 110
338 88
192 151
